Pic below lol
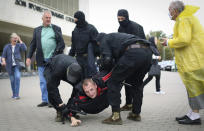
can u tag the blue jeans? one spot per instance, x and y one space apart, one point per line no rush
43 85
15 81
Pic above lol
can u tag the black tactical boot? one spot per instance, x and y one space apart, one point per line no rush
58 117
126 107
134 117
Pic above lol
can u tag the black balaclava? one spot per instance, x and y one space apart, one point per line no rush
124 13
81 19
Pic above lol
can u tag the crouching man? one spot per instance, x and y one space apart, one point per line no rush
60 67
132 61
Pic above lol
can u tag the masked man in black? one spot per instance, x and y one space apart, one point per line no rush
60 67
129 27
83 40
133 59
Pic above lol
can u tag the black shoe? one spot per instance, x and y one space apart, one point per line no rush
188 121
50 105
181 118
134 117
42 104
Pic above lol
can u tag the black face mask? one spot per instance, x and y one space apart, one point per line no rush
78 22
81 22
124 23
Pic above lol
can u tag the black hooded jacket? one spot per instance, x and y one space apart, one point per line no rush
130 27
114 44
56 68
82 35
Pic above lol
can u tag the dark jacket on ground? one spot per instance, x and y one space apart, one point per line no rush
81 37
132 28
36 44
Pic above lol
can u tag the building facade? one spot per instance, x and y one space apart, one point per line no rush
22 16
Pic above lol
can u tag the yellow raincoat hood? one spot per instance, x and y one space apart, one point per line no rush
189 10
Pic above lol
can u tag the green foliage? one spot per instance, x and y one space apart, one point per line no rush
159 34
165 52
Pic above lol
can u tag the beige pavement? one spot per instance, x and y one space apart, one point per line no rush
158 111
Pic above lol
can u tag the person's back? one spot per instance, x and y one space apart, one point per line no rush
132 64
118 42
58 66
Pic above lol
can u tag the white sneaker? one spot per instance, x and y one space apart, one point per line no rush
157 92
162 92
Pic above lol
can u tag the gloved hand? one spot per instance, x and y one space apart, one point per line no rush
106 63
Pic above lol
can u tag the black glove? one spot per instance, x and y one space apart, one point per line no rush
106 63
61 108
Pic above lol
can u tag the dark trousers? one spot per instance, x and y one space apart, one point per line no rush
149 78
87 62
53 81
132 67
92 68
88 66
128 94
53 92
82 60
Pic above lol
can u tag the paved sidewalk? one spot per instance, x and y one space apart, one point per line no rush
158 111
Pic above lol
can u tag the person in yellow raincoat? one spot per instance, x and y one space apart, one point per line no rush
188 43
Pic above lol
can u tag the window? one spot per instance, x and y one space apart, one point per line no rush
68 7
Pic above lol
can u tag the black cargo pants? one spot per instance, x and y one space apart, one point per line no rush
131 67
